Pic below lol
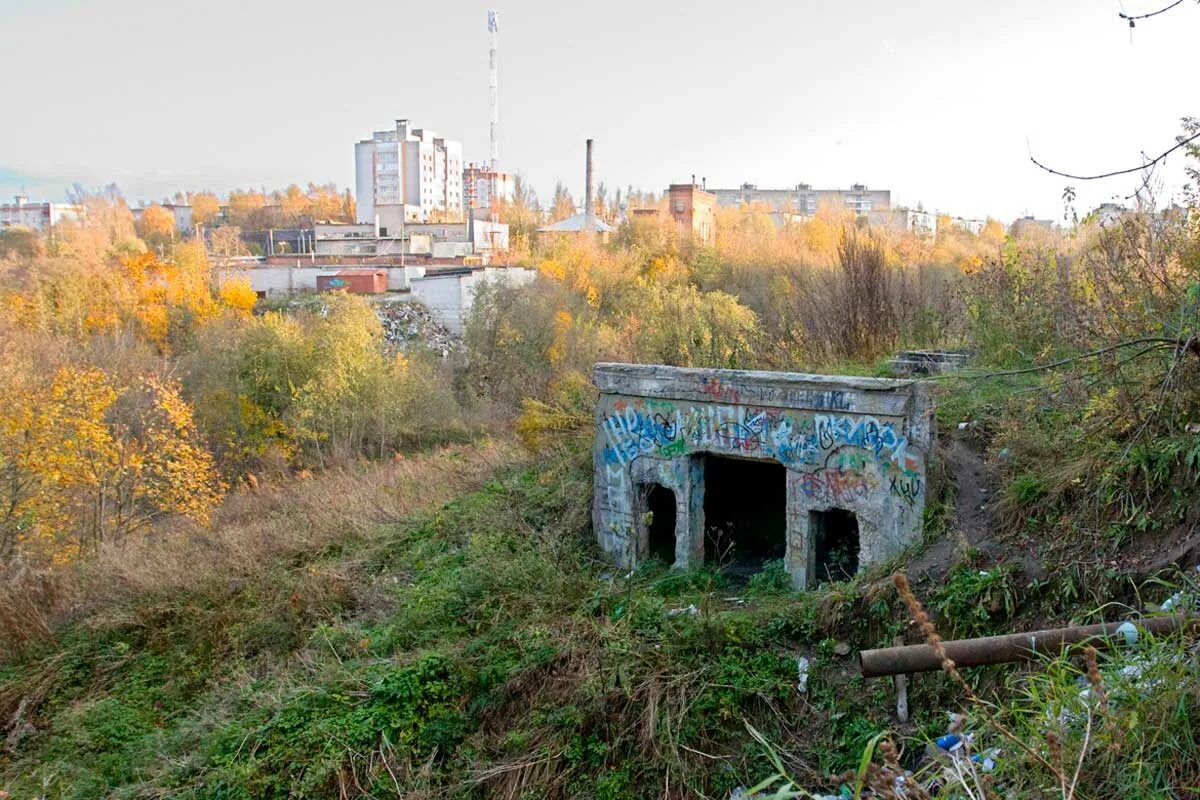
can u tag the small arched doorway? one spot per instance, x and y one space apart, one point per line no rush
659 505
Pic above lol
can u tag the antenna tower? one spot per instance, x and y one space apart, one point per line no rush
494 88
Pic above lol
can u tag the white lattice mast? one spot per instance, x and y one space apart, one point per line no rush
494 88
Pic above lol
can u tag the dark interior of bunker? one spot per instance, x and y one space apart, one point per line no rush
659 504
835 544
745 516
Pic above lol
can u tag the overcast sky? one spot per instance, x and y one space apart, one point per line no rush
938 100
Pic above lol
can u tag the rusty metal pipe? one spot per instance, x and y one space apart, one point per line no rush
1011 647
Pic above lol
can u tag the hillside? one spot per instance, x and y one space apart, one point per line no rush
443 626
254 552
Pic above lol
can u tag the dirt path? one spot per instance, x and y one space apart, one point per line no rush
974 524
969 474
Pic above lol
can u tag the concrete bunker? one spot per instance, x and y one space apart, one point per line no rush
741 468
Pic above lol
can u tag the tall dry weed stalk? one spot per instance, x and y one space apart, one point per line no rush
1068 782
867 296
28 600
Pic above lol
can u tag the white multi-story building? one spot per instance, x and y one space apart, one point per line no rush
408 175
915 221
804 200
974 226
36 216
439 239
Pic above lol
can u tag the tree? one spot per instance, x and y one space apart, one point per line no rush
564 205
601 200
20 243
205 208
92 460
245 208
227 241
238 295
156 226
294 204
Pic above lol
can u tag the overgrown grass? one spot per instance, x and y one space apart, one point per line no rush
433 631
479 649
1118 724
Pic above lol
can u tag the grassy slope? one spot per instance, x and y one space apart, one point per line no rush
480 649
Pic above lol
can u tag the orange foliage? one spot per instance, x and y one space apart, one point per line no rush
238 295
157 225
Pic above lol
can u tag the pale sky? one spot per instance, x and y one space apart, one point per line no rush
938 100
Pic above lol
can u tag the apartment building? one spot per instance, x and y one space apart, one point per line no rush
482 186
36 216
408 175
804 200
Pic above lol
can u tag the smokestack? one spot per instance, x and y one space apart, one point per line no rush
588 208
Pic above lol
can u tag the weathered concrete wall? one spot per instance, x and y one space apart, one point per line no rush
858 444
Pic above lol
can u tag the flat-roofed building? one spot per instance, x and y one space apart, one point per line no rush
408 174
694 210
804 200
484 187
36 216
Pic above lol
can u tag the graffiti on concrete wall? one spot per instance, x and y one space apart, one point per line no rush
719 391
857 444
839 456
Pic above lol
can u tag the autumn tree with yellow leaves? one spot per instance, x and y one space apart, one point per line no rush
87 460
156 226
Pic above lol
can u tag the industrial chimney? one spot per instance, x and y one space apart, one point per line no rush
589 209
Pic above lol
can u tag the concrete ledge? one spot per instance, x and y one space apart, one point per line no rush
796 390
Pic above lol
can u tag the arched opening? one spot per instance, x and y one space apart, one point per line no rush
834 535
745 516
660 523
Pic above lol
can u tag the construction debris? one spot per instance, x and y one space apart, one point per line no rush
408 323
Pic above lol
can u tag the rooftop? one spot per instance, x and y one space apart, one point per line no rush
578 224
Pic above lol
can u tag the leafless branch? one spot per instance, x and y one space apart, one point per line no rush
1132 17
1180 142
1157 341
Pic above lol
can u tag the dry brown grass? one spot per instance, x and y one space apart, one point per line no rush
27 600
253 528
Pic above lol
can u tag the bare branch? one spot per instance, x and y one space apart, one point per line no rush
1156 341
1132 17
1179 143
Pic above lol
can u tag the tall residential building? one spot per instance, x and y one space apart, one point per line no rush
37 216
804 200
408 175
482 184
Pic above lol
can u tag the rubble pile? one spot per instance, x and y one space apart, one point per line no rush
407 323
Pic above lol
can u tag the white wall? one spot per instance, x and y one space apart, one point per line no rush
449 296
364 181
275 281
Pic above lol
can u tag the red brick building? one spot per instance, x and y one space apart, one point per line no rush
694 210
